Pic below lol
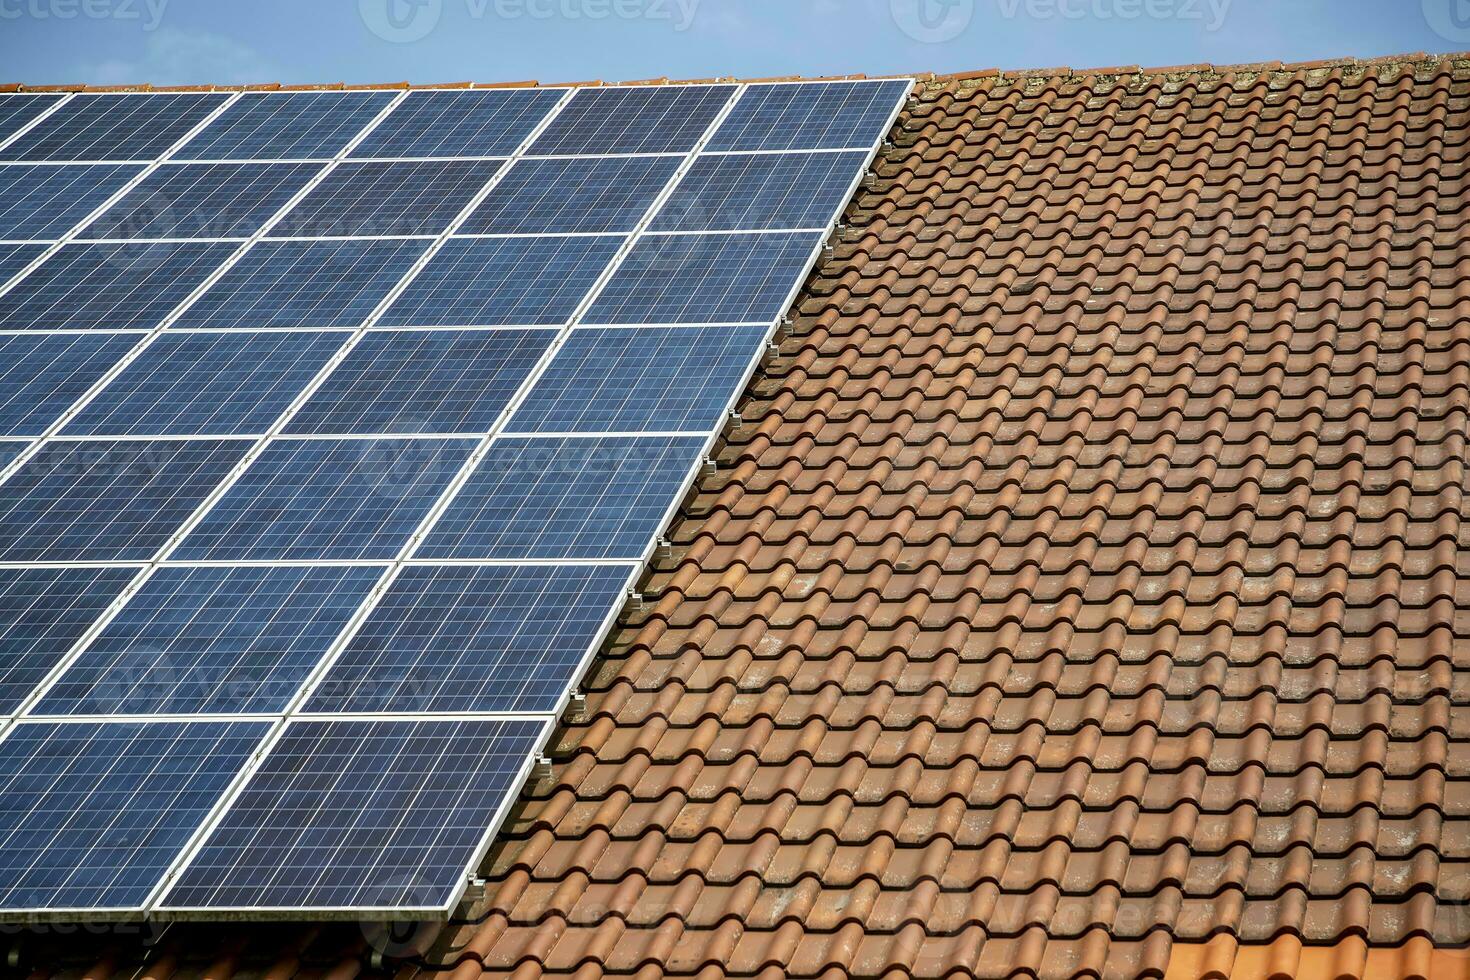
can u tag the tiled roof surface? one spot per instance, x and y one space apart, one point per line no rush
1087 589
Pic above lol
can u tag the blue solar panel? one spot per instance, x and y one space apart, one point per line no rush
327 499
760 191
47 201
419 198
572 195
305 284
564 498
637 119
281 125
201 200
491 281
705 279
212 640
18 110
216 384
110 286
473 638
96 813
441 381
829 115
444 124
636 379
14 258
113 127
10 451
353 814
41 375
43 613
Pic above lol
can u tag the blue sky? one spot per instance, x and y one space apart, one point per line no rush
228 41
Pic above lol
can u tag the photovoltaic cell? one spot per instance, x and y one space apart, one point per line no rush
281 125
47 201
107 501
572 195
470 123
636 119
10 451
632 379
356 814
113 127
18 110
419 198
493 281
440 381
760 191
705 278
116 286
43 613
215 384
202 200
305 284
327 499
212 640
41 375
95 813
831 115
449 638
564 498
14 258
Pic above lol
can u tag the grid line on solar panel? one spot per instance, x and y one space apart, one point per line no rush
212 640
760 192
104 500
459 123
715 278
286 125
44 612
640 379
809 116
106 127
18 111
564 498
371 198
472 639
439 381
46 201
232 383
488 281
110 286
327 498
97 813
360 814
572 194
642 119
43 374
202 200
15 257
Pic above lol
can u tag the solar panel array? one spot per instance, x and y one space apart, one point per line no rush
335 428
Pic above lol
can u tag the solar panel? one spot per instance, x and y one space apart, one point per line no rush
16 111
760 191
636 119
204 640
47 200
222 200
284 125
577 194
113 127
120 286
465 123
439 381
327 499
564 498
15 257
43 613
360 814
107 501
457 638
215 384
304 284
41 375
705 279
419 198
832 115
96 813
639 379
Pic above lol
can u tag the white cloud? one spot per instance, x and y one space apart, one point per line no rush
172 56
